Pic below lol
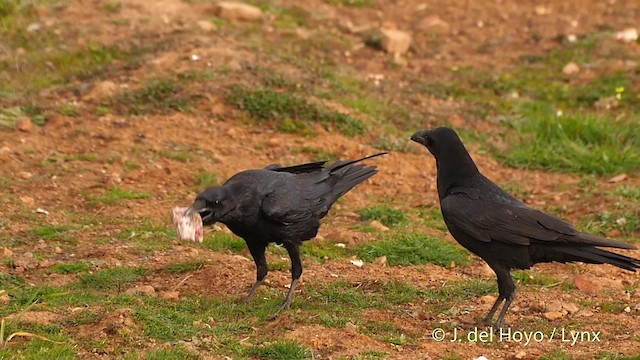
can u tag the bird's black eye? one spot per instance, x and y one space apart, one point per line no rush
217 202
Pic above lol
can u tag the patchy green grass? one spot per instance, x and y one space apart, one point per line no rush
628 192
177 153
221 241
282 350
450 293
323 250
627 220
157 96
62 233
176 352
343 297
574 142
71 268
352 3
204 179
290 112
533 278
115 195
111 279
413 249
319 154
185 266
383 213
556 355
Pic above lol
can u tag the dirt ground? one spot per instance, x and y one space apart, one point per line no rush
47 172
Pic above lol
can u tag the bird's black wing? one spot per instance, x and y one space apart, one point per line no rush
286 204
298 169
488 221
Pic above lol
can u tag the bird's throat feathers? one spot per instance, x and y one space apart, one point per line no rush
455 169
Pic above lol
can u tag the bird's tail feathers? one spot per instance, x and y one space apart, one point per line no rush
344 163
593 255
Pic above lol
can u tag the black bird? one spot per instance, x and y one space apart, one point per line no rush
279 204
502 230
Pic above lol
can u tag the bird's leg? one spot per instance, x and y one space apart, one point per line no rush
296 272
257 252
507 303
488 319
507 290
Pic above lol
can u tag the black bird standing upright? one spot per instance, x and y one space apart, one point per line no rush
502 230
279 204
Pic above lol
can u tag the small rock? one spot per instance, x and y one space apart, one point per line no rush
585 284
571 68
33 27
627 309
378 226
541 10
486 271
627 35
340 245
350 215
240 257
4 297
27 201
45 264
382 260
554 306
433 24
54 121
618 178
552 315
58 250
232 10
42 211
621 221
170 295
606 103
521 355
584 313
102 90
206 26
349 326
358 263
5 152
143 289
24 124
395 41
6 252
488 299
570 307
25 175
273 142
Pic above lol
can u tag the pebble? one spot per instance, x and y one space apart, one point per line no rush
627 35
554 306
142 289
6 252
25 175
488 299
395 41
24 124
54 121
571 308
27 201
552 315
521 355
570 69
378 226
206 26
58 250
4 298
618 178
358 263
101 90
382 260
349 326
232 10
433 24
170 295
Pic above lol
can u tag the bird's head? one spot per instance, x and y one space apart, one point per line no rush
212 204
437 140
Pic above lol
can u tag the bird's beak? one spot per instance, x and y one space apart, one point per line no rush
196 208
420 137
